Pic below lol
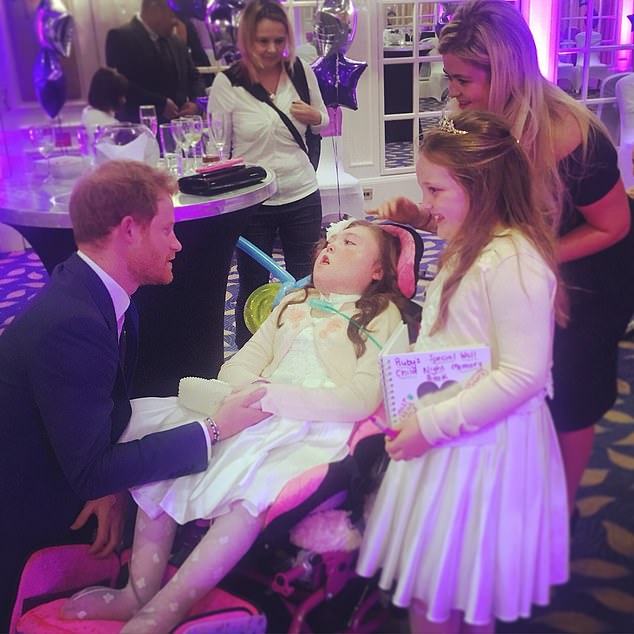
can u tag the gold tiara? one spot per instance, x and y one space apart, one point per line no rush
446 125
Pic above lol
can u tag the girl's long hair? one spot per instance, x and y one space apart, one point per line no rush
375 299
492 35
492 168
254 12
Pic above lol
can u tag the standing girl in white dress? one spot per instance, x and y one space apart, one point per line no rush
316 356
470 523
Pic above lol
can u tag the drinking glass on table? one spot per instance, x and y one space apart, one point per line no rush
147 116
178 127
193 126
169 147
43 139
218 131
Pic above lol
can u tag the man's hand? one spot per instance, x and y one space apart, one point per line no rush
305 113
410 442
170 111
239 411
188 108
110 513
402 209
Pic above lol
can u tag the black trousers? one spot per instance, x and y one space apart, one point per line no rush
298 225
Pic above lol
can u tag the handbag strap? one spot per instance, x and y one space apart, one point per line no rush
257 90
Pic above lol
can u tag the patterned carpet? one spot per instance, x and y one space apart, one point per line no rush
600 594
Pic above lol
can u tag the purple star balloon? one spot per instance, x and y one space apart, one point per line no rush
338 77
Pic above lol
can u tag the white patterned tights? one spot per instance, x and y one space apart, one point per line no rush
152 609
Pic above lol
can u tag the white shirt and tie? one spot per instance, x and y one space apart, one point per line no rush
121 302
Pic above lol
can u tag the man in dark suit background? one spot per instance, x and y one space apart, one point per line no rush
156 63
64 379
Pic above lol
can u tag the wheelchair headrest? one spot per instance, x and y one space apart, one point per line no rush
411 253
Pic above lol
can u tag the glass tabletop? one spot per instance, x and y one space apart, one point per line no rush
27 200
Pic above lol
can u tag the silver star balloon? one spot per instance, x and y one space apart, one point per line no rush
54 26
222 23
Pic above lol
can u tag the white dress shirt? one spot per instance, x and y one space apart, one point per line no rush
258 135
121 302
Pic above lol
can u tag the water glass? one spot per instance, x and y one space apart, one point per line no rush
218 127
43 140
193 127
177 127
147 116
169 147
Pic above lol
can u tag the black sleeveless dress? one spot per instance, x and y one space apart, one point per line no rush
601 292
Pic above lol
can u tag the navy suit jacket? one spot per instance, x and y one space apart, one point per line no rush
63 406
132 52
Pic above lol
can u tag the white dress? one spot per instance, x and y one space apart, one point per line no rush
479 523
251 467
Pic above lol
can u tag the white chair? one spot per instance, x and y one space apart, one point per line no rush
432 79
569 77
624 90
597 70
609 112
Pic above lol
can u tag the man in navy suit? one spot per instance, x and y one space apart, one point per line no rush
156 63
65 371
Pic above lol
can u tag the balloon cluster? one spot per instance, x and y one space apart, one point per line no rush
334 28
190 8
264 298
54 28
222 23
221 17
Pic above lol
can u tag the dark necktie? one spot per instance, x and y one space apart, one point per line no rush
123 346
165 54
128 342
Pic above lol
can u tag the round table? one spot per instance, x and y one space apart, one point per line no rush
182 324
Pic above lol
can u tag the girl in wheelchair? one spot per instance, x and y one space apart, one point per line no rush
316 358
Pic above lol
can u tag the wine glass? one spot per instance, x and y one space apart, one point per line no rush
178 127
218 131
170 147
147 116
43 140
193 126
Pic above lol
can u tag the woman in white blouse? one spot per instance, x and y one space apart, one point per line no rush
258 134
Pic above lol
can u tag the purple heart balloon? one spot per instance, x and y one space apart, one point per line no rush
49 82
190 8
337 77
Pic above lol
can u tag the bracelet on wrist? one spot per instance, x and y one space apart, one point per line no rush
214 432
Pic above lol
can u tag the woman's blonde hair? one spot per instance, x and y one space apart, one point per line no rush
492 35
254 12
488 162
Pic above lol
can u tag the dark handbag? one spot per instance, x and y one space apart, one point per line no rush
223 180
313 147
312 144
